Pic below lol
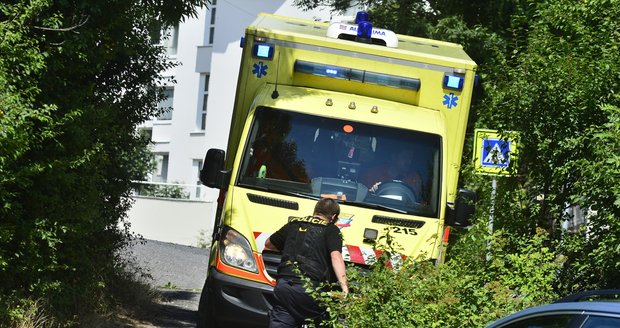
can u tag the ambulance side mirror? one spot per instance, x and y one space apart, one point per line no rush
464 207
212 173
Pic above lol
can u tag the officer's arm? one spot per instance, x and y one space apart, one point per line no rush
340 270
269 245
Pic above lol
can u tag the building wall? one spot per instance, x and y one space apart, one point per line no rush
174 221
181 137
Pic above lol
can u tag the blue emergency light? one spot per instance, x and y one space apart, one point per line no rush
364 30
361 16
364 27
454 82
263 50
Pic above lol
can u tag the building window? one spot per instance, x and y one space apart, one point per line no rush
212 23
166 37
213 16
205 96
197 164
171 39
161 168
146 133
166 104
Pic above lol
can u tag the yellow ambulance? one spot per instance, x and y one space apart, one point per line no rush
373 119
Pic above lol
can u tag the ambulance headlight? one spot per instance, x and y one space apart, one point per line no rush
235 250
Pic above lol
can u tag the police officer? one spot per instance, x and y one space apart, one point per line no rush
311 247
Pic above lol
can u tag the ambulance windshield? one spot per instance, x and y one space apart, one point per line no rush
377 166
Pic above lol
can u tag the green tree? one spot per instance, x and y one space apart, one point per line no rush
559 89
76 77
594 251
549 69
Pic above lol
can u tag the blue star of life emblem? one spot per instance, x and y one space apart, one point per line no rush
450 100
260 69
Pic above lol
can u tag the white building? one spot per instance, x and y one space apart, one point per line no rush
208 50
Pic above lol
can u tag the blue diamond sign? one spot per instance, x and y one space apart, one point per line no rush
494 153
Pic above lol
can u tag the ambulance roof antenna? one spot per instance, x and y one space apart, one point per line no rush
275 94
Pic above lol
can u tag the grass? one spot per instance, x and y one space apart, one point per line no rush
34 316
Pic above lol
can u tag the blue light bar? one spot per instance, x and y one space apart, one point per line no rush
263 50
454 82
336 72
394 81
356 75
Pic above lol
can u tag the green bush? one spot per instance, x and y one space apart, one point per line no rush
76 78
164 191
519 274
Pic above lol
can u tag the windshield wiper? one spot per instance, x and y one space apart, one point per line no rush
283 192
375 206
298 194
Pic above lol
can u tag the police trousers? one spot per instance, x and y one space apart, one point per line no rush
294 306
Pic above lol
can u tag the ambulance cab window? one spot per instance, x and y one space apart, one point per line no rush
290 152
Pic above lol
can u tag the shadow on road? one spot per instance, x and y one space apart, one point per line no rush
177 308
166 292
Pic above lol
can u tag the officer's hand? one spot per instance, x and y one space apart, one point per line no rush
374 187
340 295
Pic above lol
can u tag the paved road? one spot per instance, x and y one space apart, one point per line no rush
178 273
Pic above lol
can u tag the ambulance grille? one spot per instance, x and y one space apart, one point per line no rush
273 202
397 221
272 260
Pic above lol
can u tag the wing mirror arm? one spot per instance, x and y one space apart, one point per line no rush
464 207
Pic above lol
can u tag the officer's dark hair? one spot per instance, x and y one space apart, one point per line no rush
327 207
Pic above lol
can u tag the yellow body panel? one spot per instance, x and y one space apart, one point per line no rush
422 110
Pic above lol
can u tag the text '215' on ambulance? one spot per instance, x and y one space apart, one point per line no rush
375 120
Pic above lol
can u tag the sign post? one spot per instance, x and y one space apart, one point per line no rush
494 155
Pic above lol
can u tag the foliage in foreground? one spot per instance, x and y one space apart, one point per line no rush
76 77
465 292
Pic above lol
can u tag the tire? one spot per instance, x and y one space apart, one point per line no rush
206 318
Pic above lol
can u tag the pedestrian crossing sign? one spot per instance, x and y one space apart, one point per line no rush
494 153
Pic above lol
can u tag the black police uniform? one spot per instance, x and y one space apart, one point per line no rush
306 244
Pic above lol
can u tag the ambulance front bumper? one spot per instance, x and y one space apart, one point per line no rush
238 302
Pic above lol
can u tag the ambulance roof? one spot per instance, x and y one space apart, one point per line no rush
311 32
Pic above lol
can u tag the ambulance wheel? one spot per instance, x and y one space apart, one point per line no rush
397 188
206 317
